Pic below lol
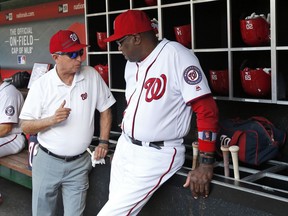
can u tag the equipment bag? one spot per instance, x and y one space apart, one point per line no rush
258 139
21 79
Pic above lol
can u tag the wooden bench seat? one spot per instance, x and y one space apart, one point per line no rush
18 162
15 168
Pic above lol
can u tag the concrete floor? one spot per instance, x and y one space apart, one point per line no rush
17 199
174 200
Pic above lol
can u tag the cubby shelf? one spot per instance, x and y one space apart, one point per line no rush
216 40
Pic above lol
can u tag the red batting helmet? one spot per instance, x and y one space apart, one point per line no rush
103 71
255 31
256 82
219 81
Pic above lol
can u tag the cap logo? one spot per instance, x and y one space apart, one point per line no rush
73 37
71 42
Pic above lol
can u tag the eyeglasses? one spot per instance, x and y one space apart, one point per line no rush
72 55
119 42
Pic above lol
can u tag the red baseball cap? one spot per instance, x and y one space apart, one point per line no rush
130 22
65 41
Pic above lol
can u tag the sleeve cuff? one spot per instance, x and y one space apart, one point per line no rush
206 146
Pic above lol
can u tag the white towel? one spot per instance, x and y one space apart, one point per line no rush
94 162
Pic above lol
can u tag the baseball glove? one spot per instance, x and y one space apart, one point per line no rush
21 79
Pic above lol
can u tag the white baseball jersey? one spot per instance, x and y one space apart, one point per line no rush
11 102
87 93
158 92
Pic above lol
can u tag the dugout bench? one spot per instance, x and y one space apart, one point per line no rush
15 168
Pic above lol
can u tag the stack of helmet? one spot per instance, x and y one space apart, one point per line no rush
255 29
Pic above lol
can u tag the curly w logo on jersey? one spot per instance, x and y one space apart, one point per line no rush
192 75
9 111
84 96
155 88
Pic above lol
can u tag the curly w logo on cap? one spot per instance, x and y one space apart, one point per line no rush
65 41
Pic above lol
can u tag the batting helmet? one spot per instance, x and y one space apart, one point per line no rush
255 31
103 71
256 82
219 81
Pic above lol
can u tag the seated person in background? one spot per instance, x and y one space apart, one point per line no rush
11 139
11 101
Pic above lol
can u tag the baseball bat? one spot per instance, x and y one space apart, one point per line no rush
225 140
225 153
234 154
195 154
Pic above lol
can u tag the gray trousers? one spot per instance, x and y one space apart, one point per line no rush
51 176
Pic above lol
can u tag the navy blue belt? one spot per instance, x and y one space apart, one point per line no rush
156 145
65 158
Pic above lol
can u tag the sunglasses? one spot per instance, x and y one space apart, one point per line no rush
119 42
72 55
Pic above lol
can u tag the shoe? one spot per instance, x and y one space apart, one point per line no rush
1 199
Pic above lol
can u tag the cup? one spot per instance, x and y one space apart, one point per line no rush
100 37
183 35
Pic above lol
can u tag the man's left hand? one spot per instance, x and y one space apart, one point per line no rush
199 180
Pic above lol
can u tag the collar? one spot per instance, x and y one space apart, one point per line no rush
154 53
77 77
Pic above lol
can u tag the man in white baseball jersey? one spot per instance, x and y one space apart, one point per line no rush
11 101
60 109
164 85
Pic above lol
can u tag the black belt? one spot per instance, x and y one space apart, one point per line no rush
66 158
156 145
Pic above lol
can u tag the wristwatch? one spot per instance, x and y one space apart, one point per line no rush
104 141
206 160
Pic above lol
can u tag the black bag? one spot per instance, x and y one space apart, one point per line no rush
21 79
258 139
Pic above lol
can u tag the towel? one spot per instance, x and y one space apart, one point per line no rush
94 162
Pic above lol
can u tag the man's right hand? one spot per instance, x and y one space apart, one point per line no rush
61 113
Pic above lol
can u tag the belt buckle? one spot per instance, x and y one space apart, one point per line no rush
68 159
153 145
135 141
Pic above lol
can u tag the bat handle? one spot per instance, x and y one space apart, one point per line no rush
225 152
234 153
195 154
